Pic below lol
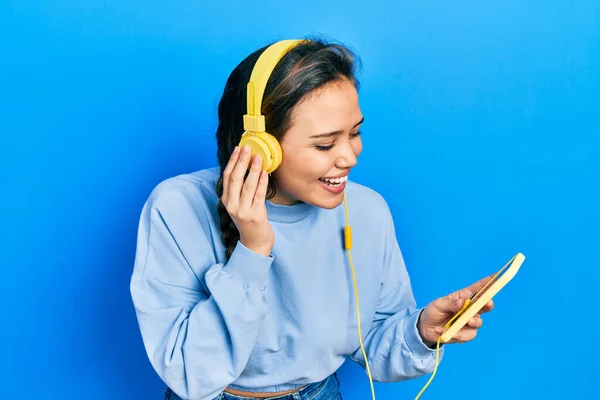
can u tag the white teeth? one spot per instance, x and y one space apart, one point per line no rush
335 181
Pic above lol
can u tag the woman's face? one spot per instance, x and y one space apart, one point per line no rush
320 148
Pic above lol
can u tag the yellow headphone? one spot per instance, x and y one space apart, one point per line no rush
260 142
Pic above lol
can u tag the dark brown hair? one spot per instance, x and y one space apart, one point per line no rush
308 66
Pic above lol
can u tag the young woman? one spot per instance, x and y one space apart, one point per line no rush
242 285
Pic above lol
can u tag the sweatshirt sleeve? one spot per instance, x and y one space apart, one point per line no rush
393 345
198 331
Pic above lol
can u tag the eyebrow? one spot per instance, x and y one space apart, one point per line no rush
334 133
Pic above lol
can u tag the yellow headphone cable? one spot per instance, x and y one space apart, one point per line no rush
348 244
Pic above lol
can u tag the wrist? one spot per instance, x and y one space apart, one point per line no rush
262 249
423 332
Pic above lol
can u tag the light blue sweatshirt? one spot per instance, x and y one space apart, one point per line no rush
269 324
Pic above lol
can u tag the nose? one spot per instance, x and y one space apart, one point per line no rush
346 157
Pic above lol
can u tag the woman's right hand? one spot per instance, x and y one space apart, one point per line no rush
245 200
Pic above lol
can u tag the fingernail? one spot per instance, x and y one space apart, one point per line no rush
236 149
246 149
257 160
455 303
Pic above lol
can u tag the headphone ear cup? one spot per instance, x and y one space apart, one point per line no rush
264 145
275 147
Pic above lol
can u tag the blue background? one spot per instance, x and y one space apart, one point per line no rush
482 122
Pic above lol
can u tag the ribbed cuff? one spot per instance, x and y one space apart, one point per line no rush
414 341
249 267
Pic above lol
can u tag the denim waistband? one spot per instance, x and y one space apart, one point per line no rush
309 392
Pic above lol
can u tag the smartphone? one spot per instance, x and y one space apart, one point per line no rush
481 297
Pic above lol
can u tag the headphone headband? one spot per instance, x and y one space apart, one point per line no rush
253 120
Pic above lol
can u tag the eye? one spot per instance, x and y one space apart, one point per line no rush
329 147
324 148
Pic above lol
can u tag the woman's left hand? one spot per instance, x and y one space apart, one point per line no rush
436 315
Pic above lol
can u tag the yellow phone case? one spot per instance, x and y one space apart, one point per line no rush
480 298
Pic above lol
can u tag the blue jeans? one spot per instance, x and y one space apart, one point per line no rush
327 389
